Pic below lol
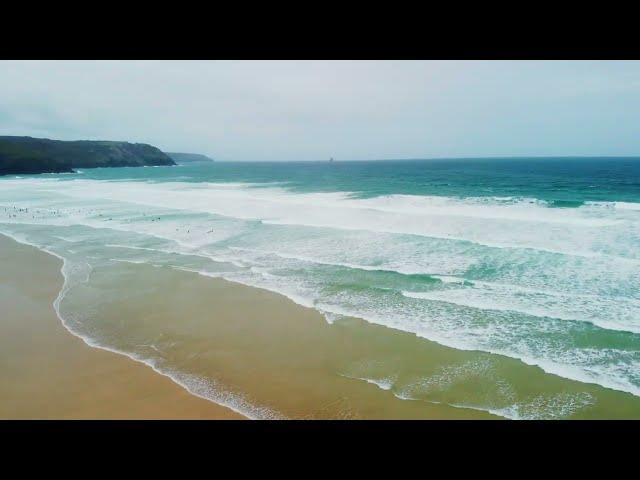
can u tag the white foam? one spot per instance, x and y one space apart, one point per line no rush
122 260
594 277
518 223
616 205
444 279
553 407
612 313
381 383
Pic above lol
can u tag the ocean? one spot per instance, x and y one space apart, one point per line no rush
527 264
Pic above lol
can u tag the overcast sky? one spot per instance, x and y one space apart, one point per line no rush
313 110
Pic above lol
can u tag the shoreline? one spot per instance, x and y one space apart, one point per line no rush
250 372
223 349
51 373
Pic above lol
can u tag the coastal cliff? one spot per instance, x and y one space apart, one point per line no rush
25 155
189 157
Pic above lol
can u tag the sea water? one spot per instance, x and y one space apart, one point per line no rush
532 259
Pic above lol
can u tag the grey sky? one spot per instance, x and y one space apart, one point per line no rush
311 110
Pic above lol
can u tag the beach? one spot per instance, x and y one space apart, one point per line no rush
273 250
48 373
251 353
269 357
267 302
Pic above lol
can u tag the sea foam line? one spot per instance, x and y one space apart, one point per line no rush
202 198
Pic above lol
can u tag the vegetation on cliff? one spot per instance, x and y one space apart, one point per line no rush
40 155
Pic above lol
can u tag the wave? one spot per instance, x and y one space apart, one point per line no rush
631 206
541 407
621 314
490 221
445 335
558 406
353 266
591 248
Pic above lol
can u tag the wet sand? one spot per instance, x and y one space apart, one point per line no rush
255 349
48 373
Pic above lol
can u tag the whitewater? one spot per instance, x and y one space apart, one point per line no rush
520 276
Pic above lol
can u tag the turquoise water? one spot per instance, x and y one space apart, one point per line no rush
533 259
564 180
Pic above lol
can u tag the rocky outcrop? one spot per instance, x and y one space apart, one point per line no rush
40 155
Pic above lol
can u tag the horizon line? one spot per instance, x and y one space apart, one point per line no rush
409 159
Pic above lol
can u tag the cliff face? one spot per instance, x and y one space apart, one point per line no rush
40 155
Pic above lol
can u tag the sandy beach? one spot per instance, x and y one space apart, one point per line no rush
48 373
